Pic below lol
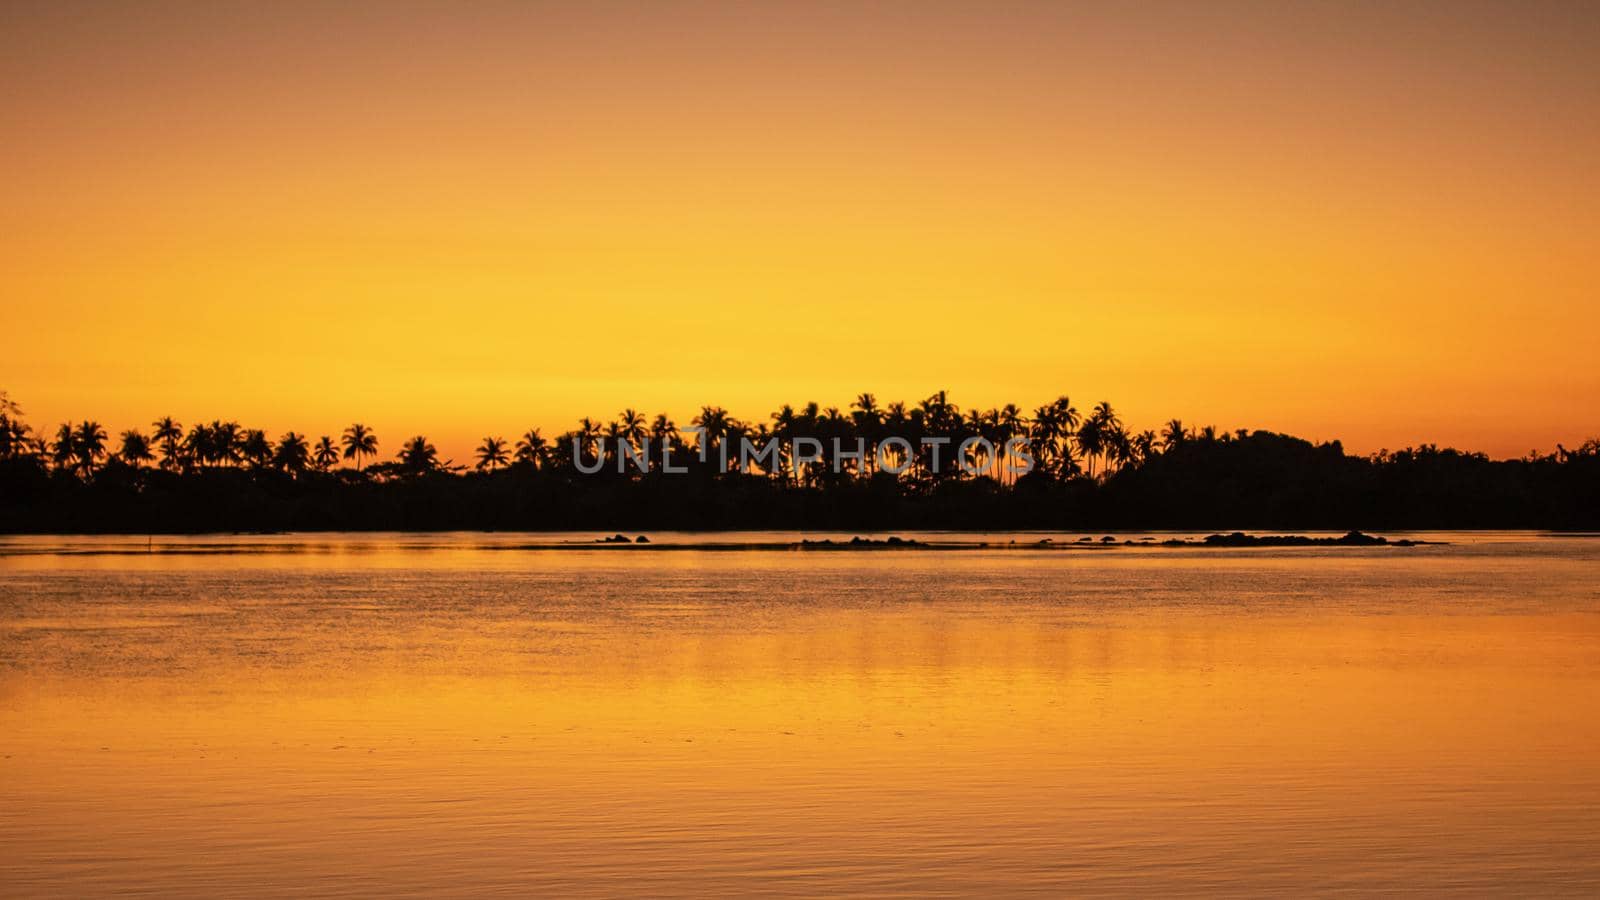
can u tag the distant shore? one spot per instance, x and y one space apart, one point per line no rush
1092 478
131 545
894 542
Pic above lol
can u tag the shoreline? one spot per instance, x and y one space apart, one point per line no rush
619 542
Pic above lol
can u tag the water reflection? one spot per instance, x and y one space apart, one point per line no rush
368 717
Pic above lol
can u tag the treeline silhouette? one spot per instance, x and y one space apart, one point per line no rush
1089 472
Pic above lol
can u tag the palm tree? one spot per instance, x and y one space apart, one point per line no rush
980 458
169 435
868 421
359 442
64 450
417 456
13 431
13 437
1173 434
760 438
292 453
588 437
783 428
1091 440
1119 448
631 427
531 448
90 445
914 427
738 433
325 456
713 422
1144 446
941 419
135 449
197 446
1008 424
1067 422
1100 430
255 448
664 434
663 430
1065 412
216 443
226 440
565 450
827 426
1046 435
492 454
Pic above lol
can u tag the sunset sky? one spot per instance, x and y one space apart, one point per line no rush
1371 221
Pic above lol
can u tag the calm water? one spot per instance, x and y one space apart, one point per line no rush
444 714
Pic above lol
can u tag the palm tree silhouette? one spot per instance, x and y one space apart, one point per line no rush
531 448
783 428
940 419
255 448
1119 448
588 435
359 442
491 454
613 435
13 437
1045 435
1173 434
292 453
1067 422
1008 424
13 431
1059 439
418 457
1099 435
664 434
1144 446
197 447
325 456
1091 440
867 421
169 435
225 440
64 450
135 450
663 429
713 422
631 427
89 445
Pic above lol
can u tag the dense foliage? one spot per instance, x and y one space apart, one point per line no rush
1090 473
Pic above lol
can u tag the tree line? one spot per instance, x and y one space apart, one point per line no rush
1087 470
1064 444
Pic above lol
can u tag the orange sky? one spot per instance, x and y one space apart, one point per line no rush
1339 220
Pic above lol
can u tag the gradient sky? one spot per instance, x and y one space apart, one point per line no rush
1372 221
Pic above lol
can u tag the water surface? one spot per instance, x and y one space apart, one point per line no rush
416 715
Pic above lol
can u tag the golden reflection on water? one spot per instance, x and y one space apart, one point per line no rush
462 721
